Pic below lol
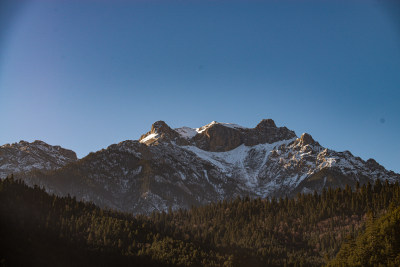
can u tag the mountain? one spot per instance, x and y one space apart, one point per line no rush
25 156
177 168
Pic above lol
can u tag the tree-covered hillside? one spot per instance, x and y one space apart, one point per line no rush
379 245
37 229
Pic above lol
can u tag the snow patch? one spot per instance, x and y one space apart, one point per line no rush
234 161
183 177
186 132
149 137
137 171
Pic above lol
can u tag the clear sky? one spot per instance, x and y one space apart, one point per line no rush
87 74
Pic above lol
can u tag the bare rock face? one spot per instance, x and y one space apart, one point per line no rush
266 132
159 132
218 138
160 127
38 155
266 123
307 139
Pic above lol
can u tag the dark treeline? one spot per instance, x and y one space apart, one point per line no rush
37 229
379 245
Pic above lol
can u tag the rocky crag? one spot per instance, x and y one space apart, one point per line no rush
24 157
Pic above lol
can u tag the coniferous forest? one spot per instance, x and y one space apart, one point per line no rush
339 227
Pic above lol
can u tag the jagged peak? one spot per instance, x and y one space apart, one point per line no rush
218 136
24 143
266 123
190 132
160 127
372 161
39 142
307 139
373 164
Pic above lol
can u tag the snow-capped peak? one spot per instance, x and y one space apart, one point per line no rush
230 125
188 133
217 136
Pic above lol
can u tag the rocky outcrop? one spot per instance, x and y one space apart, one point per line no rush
223 137
161 132
218 137
306 139
266 132
38 155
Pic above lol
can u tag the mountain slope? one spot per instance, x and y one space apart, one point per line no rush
182 167
25 156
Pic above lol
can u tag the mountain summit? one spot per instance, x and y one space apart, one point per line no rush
216 136
38 155
185 166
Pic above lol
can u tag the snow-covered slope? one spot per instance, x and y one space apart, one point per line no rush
182 167
25 156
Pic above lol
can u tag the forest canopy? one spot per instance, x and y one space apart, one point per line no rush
38 229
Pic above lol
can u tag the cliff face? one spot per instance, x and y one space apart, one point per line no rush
217 137
182 167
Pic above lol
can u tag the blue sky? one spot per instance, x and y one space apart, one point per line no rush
87 74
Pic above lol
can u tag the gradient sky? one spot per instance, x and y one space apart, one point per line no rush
87 74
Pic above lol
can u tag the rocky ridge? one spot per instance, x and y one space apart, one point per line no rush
181 167
217 137
38 155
